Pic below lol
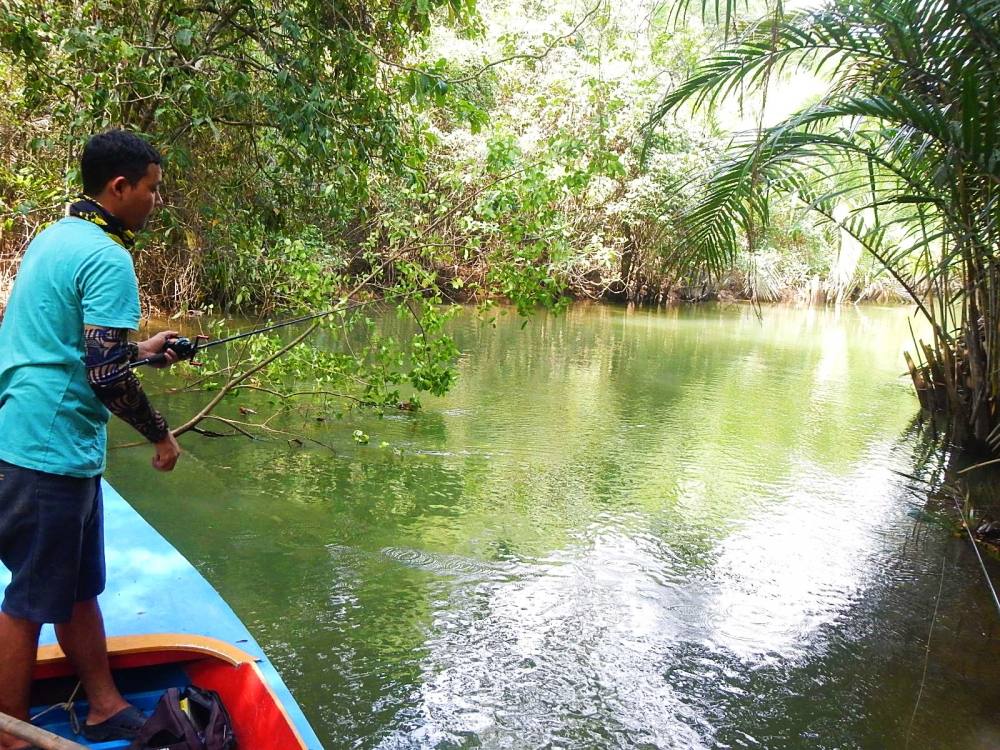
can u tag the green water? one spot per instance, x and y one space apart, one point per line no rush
677 529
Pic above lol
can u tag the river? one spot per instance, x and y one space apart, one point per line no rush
621 529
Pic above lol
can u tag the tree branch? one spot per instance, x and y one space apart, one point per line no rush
236 380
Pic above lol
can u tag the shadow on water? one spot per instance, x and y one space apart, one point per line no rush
678 529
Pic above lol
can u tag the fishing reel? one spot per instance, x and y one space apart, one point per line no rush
182 347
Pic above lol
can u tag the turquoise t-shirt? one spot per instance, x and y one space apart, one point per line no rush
50 419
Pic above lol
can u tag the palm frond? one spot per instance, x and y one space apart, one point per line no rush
907 137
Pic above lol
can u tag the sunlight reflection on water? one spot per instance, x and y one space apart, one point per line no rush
623 529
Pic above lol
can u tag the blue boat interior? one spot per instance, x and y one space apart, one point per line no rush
142 687
152 590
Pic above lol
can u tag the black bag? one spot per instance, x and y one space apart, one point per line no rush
188 719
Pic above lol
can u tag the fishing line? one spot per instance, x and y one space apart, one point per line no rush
937 602
927 655
982 564
972 539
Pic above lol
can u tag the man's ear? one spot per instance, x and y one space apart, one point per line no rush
117 186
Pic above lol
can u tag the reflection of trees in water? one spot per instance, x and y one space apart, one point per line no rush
607 506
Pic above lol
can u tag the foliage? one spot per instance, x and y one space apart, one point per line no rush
322 156
274 120
572 100
305 143
270 115
899 154
549 190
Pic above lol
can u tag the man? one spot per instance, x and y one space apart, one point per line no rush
64 355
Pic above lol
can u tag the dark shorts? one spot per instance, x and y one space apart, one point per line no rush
51 540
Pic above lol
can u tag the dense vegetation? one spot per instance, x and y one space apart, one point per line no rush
311 148
435 150
900 152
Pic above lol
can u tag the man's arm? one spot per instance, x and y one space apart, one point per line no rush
107 359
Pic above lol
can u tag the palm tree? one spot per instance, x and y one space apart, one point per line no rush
907 137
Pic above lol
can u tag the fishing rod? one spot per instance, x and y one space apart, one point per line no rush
185 348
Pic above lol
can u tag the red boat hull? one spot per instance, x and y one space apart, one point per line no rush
259 719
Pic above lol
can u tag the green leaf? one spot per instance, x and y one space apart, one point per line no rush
183 38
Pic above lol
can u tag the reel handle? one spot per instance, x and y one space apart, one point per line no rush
182 346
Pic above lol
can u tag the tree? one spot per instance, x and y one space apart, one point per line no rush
274 118
271 117
905 138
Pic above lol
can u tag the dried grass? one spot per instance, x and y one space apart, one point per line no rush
6 282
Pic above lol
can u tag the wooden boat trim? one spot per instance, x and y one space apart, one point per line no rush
282 709
128 645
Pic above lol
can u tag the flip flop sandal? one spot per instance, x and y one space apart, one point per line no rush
124 725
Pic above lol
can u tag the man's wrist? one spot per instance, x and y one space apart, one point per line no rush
157 430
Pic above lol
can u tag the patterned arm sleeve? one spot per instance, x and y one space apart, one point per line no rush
108 355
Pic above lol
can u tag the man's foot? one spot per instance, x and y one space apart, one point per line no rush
124 725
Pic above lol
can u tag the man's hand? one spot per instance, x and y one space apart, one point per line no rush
158 345
167 453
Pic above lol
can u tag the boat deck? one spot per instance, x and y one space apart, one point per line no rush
154 597
142 687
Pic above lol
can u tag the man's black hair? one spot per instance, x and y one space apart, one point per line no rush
112 154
